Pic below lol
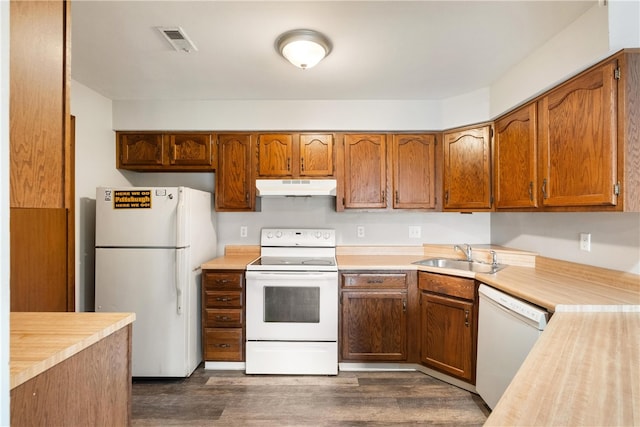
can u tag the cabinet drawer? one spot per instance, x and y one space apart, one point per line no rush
223 344
374 280
223 299
226 280
460 287
221 318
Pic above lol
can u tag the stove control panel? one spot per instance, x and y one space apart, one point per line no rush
304 237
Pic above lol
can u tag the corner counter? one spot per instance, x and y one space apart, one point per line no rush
70 368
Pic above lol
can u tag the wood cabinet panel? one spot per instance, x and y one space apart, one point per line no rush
414 175
223 319
38 103
515 159
190 150
316 155
235 185
459 287
448 335
365 171
140 149
223 344
91 388
275 152
38 245
374 325
467 169
374 280
579 140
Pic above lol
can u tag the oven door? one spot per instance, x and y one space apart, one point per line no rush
292 306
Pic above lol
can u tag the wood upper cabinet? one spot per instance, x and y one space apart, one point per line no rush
235 186
295 155
448 322
165 152
414 176
139 150
275 152
578 139
191 149
467 168
365 171
374 316
316 155
515 159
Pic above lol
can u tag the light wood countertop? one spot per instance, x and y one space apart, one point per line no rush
39 341
583 370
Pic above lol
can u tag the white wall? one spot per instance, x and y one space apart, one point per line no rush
4 213
624 24
368 115
615 237
581 44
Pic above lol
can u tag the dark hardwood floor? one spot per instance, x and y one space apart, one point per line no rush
230 398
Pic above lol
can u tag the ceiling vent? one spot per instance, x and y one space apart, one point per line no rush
178 39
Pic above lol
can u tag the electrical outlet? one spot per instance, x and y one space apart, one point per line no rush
360 231
243 231
415 232
585 242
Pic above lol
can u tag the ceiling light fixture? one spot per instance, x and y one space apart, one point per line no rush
303 48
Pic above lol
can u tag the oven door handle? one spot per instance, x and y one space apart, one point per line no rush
289 274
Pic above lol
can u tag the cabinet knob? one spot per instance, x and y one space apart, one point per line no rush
466 318
544 188
302 164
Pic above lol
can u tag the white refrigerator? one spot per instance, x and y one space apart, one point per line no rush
150 243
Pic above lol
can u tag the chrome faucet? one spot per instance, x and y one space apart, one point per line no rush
466 250
494 257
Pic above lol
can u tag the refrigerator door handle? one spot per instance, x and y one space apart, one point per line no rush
180 272
181 218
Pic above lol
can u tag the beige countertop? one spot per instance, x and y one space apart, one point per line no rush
584 369
39 341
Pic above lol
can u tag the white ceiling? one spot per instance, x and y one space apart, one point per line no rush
381 49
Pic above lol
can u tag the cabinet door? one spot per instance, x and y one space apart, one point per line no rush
316 155
374 325
515 165
275 152
190 150
413 163
467 178
579 140
365 171
234 185
140 149
447 335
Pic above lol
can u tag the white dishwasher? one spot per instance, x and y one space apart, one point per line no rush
507 329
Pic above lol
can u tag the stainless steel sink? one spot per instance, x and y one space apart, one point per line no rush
461 264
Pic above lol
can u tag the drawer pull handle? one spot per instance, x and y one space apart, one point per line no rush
224 318
224 299
375 281
224 345
466 318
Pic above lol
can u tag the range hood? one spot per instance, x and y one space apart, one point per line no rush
295 187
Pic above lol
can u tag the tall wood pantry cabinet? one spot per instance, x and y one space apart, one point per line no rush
41 159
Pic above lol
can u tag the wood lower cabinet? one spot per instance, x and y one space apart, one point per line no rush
515 159
223 315
374 313
414 171
165 152
235 182
448 324
467 168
